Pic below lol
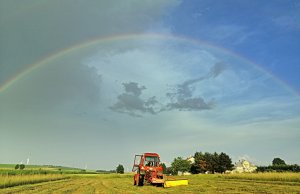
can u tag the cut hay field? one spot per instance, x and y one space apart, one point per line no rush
113 183
16 180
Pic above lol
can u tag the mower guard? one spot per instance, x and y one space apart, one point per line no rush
168 182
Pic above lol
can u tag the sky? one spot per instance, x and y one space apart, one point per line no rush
92 83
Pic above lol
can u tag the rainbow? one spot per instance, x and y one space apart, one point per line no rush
32 67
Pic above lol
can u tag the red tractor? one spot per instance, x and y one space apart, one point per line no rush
148 169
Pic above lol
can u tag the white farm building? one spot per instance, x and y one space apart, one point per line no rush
243 166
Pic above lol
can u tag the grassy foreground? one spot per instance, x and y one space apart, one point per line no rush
113 183
16 180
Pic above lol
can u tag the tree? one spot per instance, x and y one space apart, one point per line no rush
17 167
211 162
180 164
278 161
164 168
200 165
225 163
22 166
169 170
120 169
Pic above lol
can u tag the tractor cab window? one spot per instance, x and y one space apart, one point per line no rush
137 159
151 161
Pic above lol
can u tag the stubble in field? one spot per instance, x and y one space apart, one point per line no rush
113 183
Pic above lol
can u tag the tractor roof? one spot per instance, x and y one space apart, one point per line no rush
151 154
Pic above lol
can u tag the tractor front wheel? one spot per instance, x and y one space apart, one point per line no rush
135 177
141 180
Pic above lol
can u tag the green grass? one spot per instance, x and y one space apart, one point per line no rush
35 167
9 169
115 183
282 177
16 180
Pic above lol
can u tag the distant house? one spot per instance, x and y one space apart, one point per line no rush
191 159
183 173
243 166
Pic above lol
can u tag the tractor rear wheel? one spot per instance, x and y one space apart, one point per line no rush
141 180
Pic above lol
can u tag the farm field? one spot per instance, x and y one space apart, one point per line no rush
114 183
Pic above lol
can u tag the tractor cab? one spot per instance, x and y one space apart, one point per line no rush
151 161
142 162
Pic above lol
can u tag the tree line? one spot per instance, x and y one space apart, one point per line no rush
279 165
203 162
220 163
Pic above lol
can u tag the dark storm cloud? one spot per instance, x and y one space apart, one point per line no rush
131 103
68 87
33 30
44 104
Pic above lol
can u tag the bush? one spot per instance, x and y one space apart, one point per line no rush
22 166
120 169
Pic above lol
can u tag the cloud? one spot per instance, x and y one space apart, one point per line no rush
228 33
190 104
256 111
183 96
35 29
131 103
184 89
109 82
217 69
287 22
67 87
133 88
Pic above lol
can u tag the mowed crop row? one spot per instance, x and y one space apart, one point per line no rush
112 183
15 180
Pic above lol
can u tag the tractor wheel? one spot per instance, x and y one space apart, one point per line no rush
141 180
135 179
